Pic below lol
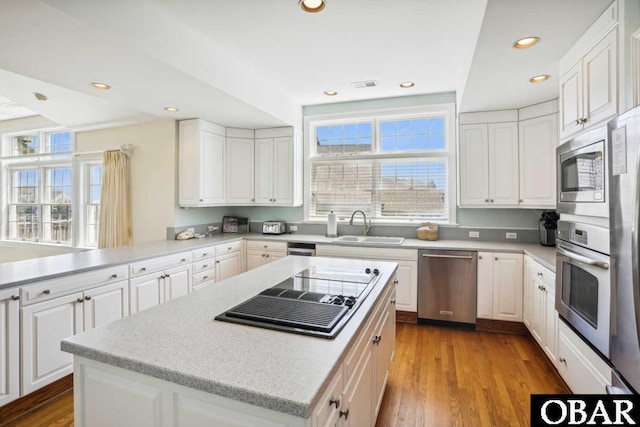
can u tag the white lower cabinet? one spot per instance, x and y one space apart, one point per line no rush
539 312
584 371
153 289
9 346
407 272
228 265
262 252
499 286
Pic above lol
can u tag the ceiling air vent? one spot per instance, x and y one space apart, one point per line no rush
365 84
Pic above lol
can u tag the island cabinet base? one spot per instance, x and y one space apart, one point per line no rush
107 396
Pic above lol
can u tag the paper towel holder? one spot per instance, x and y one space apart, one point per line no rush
332 223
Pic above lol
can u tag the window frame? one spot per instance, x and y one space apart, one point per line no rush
446 111
42 161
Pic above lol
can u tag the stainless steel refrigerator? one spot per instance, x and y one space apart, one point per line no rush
624 214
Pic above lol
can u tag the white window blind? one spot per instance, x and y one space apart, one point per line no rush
394 169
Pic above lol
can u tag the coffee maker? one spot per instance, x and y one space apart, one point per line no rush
548 225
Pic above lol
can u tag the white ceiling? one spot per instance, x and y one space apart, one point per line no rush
255 63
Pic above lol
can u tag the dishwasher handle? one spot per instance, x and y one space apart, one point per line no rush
447 256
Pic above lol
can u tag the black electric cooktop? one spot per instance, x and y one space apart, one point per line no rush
317 301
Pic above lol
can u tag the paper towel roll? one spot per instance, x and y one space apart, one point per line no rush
332 225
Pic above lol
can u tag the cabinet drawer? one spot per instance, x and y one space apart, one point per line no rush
53 288
546 275
159 263
204 253
229 247
204 265
266 245
205 276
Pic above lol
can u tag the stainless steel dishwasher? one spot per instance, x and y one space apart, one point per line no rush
447 287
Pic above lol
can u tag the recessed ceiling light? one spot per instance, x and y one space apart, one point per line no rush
526 42
312 6
171 109
40 97
330 92
407 84
101 86
539 79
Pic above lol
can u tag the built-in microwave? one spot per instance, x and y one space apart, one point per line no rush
582 175
583 283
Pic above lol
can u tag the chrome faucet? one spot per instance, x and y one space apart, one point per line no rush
366 227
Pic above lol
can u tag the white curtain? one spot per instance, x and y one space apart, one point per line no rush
115 201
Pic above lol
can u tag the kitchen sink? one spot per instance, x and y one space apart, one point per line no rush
378 240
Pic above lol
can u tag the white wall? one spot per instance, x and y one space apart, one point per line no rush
17 252
153 172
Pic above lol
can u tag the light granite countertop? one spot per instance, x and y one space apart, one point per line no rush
20 273
180 342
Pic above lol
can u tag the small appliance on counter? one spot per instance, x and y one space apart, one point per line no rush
548 225
232 224
274 227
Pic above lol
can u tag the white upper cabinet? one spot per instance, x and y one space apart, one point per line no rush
240 167
537 148
489 164
201 163
588 84
278 167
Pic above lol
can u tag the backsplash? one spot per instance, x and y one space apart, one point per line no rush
406 231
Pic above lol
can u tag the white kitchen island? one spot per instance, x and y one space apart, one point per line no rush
174 365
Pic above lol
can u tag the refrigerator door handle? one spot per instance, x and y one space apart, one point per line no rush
582 258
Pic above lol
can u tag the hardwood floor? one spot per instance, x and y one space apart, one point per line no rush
455 377
440 377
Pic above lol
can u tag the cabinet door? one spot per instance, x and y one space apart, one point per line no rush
255 259
145 292
407 290
274 256
283 169
528 288
358 394
44 326
106 304
550 330
384 351
9 346
571 101
485 285
177 282
538 141
211 174
227 266
600 81
503 164
264 162
188 171
538 311
239 171
507 287
474 165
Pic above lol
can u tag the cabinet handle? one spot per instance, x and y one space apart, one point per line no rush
583 120
520 201
204 255
578 121
562 360
47 291
540 274
163 276
479 256
395 282
113 276
88 298
267 255
205 278
274 200
496 258
344 414
183 260
377 339
167 275
486 200
217 262
229 249
143 269
253 200
393 301
205 266
15 297
263 255
80 300
491 200
334 401
202 200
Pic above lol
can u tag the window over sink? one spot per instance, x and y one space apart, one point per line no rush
396 166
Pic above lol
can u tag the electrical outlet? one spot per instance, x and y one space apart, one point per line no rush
193 230
293 228
512 235
474 234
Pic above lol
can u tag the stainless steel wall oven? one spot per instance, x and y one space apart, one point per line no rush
583 285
